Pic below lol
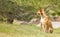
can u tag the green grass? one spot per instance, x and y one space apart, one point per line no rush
17 30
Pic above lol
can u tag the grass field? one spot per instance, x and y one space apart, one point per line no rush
16 30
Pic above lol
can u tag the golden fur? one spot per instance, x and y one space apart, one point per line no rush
45 21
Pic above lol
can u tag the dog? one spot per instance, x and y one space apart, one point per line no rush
45 21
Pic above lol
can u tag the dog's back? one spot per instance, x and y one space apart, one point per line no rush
48 25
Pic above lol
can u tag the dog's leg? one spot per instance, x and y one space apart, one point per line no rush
46 28
40 26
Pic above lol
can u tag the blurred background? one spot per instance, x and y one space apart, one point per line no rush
25 10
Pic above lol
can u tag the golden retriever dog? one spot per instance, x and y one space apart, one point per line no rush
45 21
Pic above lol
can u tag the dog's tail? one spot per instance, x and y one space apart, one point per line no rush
50 30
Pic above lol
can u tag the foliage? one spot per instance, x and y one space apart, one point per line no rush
26 9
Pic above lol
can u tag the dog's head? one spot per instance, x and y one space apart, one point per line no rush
40 11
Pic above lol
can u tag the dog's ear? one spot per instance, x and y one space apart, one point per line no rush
42 10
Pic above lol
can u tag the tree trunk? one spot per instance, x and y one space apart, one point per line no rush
10 21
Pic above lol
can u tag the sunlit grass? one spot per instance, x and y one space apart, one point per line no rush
31 30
